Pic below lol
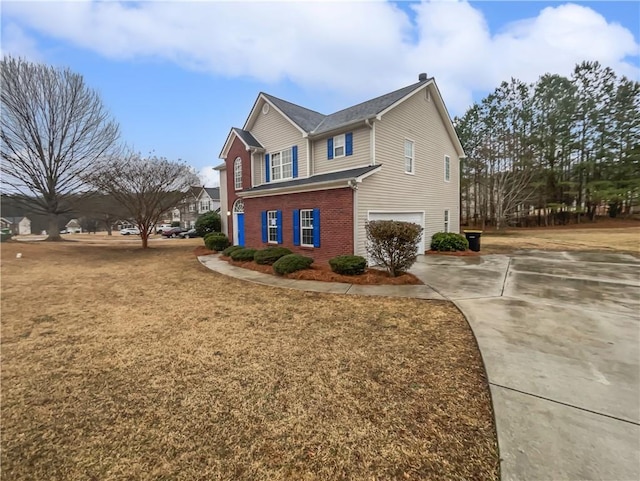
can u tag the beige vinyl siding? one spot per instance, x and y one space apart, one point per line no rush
361 153
223 202
276 133
392 189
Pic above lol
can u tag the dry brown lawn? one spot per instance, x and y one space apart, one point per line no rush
612 239
119 363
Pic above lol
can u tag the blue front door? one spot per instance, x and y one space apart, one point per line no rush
240 221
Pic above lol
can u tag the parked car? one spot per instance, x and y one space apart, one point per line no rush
173 232
188 234
130 231
162 227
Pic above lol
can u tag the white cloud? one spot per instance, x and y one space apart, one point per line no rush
17 43
209 177
358 48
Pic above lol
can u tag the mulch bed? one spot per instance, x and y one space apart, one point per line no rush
325 274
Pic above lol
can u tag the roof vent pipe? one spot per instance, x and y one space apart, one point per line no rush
422 77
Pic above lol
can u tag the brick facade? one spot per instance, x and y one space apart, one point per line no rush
237 149
336 221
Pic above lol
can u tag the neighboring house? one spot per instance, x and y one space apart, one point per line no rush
295 177
189 208
208 200
198 201
17 225
73 227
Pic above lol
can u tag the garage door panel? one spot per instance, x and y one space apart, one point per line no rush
415 217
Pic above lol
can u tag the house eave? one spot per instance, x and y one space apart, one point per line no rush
340 128
333 184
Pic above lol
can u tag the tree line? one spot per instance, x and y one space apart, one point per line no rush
61 153
552 152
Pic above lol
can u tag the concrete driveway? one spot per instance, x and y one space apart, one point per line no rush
560 334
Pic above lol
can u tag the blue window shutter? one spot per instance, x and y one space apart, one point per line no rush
267 169
348 140
330 148
316 227
294 160
296 227
279 224
265 227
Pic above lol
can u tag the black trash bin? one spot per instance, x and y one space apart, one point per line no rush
473 238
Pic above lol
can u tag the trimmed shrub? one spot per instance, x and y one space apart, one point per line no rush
216 241
209 222
271 254
243 254
227 252
393 244
291 263
175 223
348 265
449 242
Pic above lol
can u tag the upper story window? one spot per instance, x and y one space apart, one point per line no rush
447 168
205 206
281 165
237 173
340 146
192 207
409 156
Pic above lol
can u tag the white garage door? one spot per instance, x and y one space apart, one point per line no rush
415 217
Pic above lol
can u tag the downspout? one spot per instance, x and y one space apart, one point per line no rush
308 158
354 188
372 139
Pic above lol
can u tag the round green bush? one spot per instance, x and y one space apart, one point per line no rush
227 252
448 242
209 222
291 263
348 265
216 241
243 254
271 254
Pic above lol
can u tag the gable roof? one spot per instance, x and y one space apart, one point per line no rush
213 192
365 110
312 123
245 137
306 119
14 220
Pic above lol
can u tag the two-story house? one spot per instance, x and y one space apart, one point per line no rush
197 201
310 182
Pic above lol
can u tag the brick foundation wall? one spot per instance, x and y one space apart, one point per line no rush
336 221
236 150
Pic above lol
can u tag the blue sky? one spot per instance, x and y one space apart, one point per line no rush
178 75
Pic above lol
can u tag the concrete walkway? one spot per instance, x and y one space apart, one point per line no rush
559 334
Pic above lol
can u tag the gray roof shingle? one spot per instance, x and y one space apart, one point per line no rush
315 179
214 192
247 137
316 123
364 110
306 119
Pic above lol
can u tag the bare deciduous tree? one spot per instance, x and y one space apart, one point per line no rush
145 187
53 129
